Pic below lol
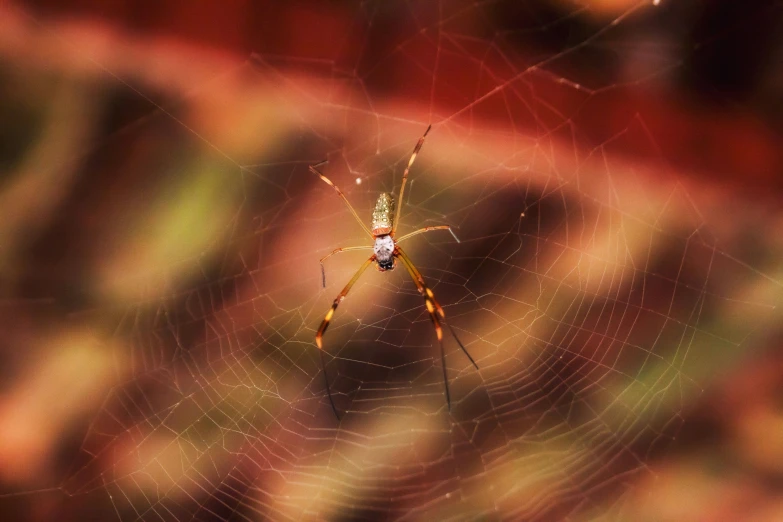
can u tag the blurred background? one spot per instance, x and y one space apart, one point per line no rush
611 168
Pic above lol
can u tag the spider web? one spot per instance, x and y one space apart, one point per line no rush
599 289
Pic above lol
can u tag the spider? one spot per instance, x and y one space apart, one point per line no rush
386 252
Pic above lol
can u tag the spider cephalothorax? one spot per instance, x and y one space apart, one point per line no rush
386 251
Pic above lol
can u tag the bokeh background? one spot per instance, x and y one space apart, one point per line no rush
612 168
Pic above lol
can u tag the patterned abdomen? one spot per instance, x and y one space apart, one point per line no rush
382 215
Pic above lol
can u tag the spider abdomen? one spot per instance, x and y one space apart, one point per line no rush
384 252
382 220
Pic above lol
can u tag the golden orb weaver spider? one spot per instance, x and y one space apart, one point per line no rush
386 251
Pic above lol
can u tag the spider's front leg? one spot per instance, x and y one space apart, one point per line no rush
432 306
328 318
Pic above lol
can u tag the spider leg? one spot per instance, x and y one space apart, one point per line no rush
427 293
433 306
428 229
425 290
328 388
438 330
314 170
328 317
416 150
337 251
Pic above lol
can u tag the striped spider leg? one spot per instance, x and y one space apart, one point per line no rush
386 252
432 305
325 325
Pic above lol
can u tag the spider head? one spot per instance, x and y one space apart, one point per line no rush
384 252
386 265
